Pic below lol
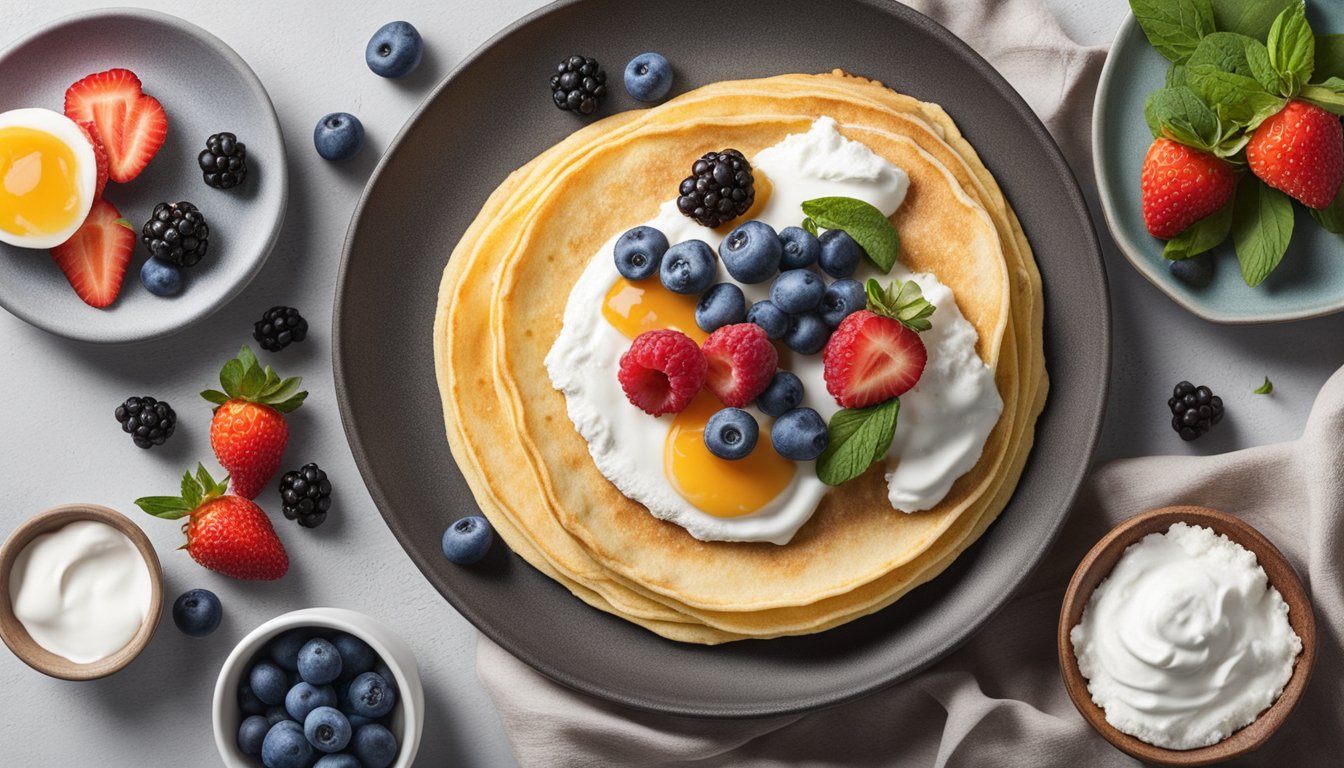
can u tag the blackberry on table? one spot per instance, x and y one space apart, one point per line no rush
148 421
720 188
279 327
223 161
176 233
1194 410
306 495
579 85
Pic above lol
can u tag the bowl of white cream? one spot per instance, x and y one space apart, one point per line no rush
81 591
1186 637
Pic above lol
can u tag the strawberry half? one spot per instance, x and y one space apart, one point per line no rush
872 358
131 124
1181 185
248 432
1300 151
94 259
227 534
99 157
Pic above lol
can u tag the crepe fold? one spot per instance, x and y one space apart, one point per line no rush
500 308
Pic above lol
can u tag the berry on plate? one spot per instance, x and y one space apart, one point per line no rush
801 248
689 268
197 612
770 318
467 540
248 431
223 162
1194 410
721 187
176 233
1181 185
394 50
741 362
95 258
639 253
130 123
161 278
1299 150
579 85
840 253
731 434
751 252
800 435
807 333
1196 271
797 290
662 371
148 421
227 534
721 305
872 358
784 393
305 495
338 136
279 327
648 77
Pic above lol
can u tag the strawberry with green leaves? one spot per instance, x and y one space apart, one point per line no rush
248 432
227 534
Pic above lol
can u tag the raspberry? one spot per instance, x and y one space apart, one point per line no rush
742 362
662 371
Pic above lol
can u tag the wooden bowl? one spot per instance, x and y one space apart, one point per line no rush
1097 565
18 639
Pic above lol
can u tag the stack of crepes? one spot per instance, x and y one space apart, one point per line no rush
500 309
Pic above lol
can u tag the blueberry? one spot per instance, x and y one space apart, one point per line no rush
284 650
319 662
783 394
375 746
357 721
286 747
807 334
338 136
248 701
801 248
839 253
269 682
342 760
251 733
371 696
648 77
467 540
161 278
639 252
1196 272
277 714
772 319
689 267
394 50
751 252
797 290
721 305
799 435
731 434
327 729
356 655
305 697
197 612
842 299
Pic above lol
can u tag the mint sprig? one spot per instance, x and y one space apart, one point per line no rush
1262 226
862 221
858 437
901 301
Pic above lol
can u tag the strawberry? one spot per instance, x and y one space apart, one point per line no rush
1300 151
872 358
248 432
661 371
225 533
1182 185
99 157
131 124
742 361
94 259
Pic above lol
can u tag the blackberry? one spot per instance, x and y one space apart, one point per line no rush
279 327
579 85
306 494
176 233
720 188
149 422
1194 410
223 161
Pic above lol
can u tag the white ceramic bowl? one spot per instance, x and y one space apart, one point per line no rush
408 716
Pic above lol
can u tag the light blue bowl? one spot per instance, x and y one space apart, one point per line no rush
1309 282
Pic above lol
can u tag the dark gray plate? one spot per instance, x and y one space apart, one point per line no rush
492 115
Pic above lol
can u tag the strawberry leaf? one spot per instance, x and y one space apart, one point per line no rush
283 390
287 406
215 396
254 381
902 301
858 437
166 507
247 357
244 378
231 377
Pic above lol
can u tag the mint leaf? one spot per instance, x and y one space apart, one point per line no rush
858 437
1235 98
870 229
1329 56
1182 115
1328 95
1248 17
1262 225
1257 58
1175 75
1223 50
1292 47
810 226
1174 27
1264 389
903 302
1331 218
1203 235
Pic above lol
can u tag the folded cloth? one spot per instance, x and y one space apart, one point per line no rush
999 700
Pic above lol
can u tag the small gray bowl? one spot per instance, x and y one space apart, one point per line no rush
205 88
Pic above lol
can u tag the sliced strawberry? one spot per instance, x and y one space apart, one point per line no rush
94 259
131 124
99 156
872 358
742 361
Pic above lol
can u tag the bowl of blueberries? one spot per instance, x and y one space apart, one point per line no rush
319 688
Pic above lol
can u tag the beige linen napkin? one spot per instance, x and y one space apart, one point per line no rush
999 701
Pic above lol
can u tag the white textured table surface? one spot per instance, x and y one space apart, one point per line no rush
60 443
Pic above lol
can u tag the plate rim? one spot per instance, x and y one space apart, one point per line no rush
253 84
1081 213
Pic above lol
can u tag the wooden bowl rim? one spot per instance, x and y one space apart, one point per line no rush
16 637
1300 616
